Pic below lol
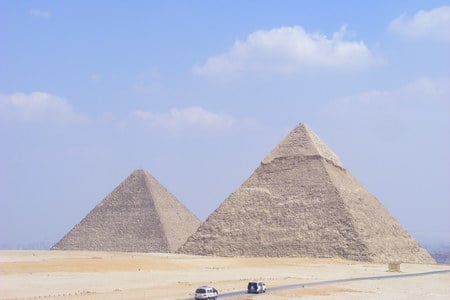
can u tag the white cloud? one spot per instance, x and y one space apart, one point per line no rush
286 50
39 13
433 24
191 118
36 106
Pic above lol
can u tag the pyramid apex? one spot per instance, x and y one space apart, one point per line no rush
302 141
144 174
139 172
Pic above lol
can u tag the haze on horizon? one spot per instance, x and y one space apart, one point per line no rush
198 93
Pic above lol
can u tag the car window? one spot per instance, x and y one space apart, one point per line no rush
200 291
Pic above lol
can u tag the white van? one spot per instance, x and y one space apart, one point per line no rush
206 292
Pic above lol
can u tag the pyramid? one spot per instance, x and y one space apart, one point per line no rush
301 201
140 215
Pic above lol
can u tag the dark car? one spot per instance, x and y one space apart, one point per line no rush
256 287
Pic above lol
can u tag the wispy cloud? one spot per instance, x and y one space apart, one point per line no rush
433 24
423 100
424 90
40 13
95 78
36 106
148 83
193 118
287 50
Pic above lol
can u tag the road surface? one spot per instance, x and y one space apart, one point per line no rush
233 295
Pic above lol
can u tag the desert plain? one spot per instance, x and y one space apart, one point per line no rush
116 275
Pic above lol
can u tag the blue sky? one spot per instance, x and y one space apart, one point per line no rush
198 92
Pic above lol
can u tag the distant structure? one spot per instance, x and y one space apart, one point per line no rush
301 201
140 215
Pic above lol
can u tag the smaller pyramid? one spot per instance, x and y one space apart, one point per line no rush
140 215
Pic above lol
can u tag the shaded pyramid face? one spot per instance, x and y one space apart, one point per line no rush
301 201
140 215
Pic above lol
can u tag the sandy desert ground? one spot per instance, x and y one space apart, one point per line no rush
106 275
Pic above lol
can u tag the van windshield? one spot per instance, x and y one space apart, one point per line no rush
200 291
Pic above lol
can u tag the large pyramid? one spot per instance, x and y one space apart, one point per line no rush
301 201
140 215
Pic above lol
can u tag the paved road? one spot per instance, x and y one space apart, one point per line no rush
233 295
